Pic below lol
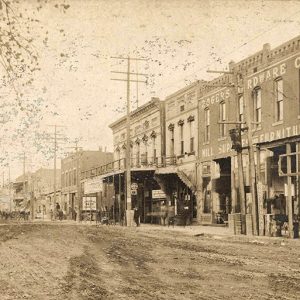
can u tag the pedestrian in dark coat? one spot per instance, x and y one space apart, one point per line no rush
136 216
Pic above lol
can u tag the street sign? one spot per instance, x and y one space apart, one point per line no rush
134 192
88 203
134 186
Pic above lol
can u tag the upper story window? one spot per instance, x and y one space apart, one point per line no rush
137 129
123 135
207 125
241 109
180 103
191 97
279 99
257 107
222 118
146 124
181 138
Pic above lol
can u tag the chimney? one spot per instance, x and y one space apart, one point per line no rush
231 65
266 50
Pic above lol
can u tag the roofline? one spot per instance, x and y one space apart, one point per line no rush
153 100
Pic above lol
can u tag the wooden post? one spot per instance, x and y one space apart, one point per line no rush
289 192
260 194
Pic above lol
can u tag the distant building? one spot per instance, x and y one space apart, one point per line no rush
71 169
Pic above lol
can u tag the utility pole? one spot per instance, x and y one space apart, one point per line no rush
9 188
128 160
24 183
252 173
54 163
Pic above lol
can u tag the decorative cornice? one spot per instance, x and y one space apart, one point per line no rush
171 127
153 134
191 118
145 138
180 122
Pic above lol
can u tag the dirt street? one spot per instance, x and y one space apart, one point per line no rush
55 261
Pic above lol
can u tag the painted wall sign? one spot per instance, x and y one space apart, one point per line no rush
270 74
88 203
215 98
269 136
93 185
158 194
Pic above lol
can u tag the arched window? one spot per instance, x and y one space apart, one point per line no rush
257 107
222 119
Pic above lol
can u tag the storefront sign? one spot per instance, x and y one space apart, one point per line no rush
277 134
93 185
215 98
158 194
88 203
134 186
269 136
267 75
270 74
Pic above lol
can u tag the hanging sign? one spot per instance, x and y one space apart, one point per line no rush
158 194
88 203
93 185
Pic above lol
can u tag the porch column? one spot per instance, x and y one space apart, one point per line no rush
233 187
199 194
289 187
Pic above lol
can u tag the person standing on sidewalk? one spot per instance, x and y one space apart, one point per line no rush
136 216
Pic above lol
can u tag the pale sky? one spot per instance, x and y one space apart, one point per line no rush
180 39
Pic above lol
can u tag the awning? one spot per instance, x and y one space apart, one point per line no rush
166 170
181 175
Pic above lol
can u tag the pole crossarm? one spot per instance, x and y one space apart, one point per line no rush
131 58
231 122
216 71
131 73
221 85
128 80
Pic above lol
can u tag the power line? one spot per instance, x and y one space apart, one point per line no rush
227 54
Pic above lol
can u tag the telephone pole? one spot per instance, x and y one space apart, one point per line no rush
128 203
54 163
9 188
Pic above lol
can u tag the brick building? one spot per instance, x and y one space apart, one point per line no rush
268 91
71 168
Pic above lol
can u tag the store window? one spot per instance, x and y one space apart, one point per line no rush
257 107
279 99
207 125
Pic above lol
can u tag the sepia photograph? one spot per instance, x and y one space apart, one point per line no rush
149 149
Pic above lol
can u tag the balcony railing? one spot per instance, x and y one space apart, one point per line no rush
141 162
